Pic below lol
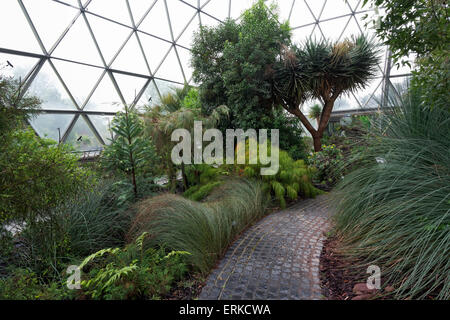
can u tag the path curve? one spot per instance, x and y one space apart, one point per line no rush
276 259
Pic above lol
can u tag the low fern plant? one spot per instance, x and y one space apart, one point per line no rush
133 272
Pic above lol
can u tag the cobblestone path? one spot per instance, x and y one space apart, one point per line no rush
277 258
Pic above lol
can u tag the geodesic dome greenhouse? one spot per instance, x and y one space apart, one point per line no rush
86 59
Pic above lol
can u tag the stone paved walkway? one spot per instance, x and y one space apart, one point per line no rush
277 258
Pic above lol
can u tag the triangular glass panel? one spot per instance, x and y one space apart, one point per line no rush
400 84
77 45
154 49
352 29
103 126
47 87
346 102
73 3
300 15
399 69
354 4
16 32
62 17
302 34
114 10
82 138
317 33
150 97
332 29
156 22
103 29
193 3
180 14
284 9
129 86
79 79
185 58
130 59
335 9
139 8
208 21
52 126
218 8
239 6
186 38
15 66
370 97
165 87
316 7
105 98
170 69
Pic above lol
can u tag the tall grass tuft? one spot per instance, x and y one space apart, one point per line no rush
205 230
394 210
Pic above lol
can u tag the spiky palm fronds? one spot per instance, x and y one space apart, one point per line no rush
315 111
323 70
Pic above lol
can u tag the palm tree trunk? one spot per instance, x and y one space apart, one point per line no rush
317 139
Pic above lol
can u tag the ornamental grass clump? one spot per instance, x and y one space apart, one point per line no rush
205 230
394 210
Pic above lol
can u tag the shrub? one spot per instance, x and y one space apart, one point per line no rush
14 108
393 211
200 192
203 229
292 179
328 163
26 285
39 171
130 152
134 272
91 220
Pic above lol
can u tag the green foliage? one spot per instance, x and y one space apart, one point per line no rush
39 171
161 122
412 26
26 285
320 69
328 163
134 272
14 109
88 221
431 79
315 112
393 211
130 152
95 219
200 192
203 229
231 62
192 99
202 179
421 28
290 133
292 179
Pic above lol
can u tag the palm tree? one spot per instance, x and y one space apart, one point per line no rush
323 70
169 115
314 113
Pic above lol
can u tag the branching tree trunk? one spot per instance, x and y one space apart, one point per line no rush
323 70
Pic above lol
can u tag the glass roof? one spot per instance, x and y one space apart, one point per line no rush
86 59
